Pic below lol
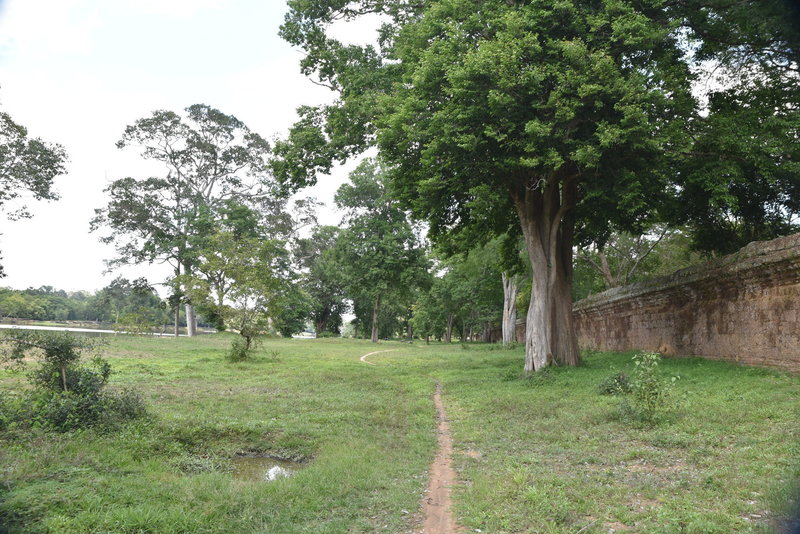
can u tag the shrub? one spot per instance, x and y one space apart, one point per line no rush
239 350
326 334
651 394
66 395
6 417
82 380
617 384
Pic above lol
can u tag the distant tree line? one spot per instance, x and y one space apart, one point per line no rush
122 302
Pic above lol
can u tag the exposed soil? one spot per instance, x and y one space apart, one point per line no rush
437 506
364 357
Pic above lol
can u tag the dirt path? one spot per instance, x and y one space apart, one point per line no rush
364 357
437 505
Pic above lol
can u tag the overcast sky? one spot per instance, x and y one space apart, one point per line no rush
76 72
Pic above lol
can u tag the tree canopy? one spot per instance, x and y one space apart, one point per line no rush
214 166
28 167
558 113
563 120
379 253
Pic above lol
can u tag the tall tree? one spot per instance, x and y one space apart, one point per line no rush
210 160
322 279
560 113
380 254
27 168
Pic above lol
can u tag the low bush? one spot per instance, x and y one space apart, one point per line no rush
5 411
239 350
617 384
66 395
651 399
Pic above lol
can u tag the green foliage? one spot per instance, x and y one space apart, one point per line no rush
240 350
617 384
742 181
27 168
322 280
255 285
651 397
83 380
380 254
66 394
66 411
625 258
466 295
214 175
294 309
6 415
130 305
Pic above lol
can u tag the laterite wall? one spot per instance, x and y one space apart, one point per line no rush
742 308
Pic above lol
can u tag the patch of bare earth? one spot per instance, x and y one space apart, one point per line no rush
437 506
615 526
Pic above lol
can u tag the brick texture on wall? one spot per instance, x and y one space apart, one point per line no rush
743 308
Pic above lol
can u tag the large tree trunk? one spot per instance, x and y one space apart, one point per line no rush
191 320
510 290
177 321
565 340
375 310
545 213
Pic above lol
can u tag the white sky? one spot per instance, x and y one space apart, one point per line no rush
76 72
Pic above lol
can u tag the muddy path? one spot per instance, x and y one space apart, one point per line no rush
437 506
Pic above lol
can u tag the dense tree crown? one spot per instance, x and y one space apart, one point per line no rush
322 280
380 254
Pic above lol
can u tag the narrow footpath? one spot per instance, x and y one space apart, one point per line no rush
364 357
437 505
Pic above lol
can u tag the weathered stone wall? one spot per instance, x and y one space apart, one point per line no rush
742 308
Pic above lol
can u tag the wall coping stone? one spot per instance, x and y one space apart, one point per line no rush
753 256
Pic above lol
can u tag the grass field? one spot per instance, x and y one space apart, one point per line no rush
540 455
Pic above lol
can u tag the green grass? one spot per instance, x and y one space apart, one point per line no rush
534 455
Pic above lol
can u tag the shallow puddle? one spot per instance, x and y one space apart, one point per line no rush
262 468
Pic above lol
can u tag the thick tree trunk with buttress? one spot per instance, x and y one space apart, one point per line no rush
510 291
545 213
375 310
